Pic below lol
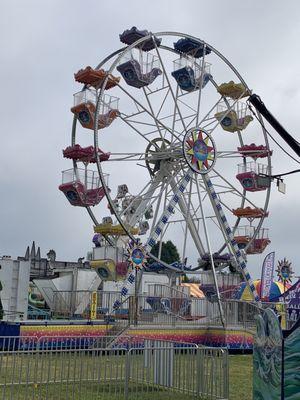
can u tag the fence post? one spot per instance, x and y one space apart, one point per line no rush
127 374
200 370
197 372
225 393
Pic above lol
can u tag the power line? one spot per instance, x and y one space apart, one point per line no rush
285 173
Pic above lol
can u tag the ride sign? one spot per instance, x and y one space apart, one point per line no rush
267 275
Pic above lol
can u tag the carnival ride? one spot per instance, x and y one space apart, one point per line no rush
175 133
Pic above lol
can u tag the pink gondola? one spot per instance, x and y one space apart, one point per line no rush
77 195
84 154
254 177
254 151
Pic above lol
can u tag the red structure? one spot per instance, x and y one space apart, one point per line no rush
245 234
251 150
78 195
84 154
82 187
253 176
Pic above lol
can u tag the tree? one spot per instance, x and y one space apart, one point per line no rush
169 252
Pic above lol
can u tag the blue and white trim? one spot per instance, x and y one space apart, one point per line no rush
168 212
129 281
233 244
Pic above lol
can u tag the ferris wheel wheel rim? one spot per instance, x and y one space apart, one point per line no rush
119 53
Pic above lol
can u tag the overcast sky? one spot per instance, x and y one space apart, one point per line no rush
44 42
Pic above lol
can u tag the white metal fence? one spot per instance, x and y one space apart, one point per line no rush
163 310
74 368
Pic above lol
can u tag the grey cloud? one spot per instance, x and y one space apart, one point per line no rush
44 43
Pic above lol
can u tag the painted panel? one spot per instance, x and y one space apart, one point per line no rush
267 356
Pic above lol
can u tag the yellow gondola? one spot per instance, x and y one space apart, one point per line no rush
110 229
233 90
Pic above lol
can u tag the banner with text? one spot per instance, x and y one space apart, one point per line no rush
93 305
267 275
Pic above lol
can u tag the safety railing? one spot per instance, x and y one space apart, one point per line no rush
88 342
76 304
160 309
158 370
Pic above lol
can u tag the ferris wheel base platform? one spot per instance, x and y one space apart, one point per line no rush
234 338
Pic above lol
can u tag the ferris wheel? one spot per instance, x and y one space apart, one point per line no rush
178 154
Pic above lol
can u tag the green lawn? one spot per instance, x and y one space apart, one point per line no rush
240 377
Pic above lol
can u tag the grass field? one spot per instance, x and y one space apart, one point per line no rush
64 377
240 377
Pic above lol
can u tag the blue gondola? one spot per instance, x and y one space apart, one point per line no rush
191 47
132 35
185 78
132 73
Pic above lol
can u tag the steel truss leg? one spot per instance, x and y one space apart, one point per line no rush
231 241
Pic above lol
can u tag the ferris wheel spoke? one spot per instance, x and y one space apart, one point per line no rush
163 231
210 252
166 214
200 86
235 190
157 121
191 122
185 104
192 117
188 216
207 116
192 209
157 199
232 154
212 120
145 194
184 211
148 199
152 112
174 110
91 214
135 129
133 121
170 86
120 157
212 124
176 135
218 123
157 206
162 103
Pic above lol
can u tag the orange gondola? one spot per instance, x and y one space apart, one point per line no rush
95 78
248 212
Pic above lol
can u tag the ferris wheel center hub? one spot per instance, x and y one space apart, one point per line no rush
160 151
199 150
